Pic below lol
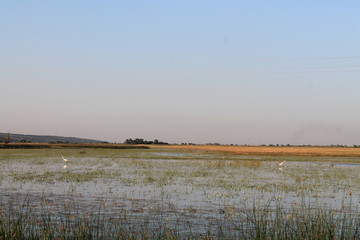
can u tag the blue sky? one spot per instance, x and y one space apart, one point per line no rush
242 72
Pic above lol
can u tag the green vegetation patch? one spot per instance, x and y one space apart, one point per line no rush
64 176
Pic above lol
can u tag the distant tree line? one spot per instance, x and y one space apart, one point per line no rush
188 144
142 141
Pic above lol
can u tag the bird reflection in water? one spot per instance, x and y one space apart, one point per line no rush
66 163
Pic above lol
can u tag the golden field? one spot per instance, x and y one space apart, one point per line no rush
275 151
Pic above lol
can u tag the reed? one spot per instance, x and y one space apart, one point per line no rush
22 220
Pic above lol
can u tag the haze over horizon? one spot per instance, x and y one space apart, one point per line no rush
240 72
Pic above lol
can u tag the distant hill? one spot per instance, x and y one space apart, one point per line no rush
46 139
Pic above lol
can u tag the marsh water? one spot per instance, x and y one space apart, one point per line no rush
191 189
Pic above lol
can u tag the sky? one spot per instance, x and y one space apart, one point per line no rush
230 72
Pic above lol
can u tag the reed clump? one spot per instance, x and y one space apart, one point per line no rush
249 164
23 220
234 164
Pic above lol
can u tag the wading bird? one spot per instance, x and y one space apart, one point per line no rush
65 160
282 163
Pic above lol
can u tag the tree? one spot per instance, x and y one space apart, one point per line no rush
7 138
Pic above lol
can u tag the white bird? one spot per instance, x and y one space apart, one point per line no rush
65 166
282 163
65 160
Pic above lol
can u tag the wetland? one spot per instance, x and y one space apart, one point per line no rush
176 194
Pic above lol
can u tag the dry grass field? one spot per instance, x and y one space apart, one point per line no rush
272 151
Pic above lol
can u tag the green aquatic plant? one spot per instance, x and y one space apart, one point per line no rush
62 176
21 219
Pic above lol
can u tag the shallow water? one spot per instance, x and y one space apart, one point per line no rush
181 186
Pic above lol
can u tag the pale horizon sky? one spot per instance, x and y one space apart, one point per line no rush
241 72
